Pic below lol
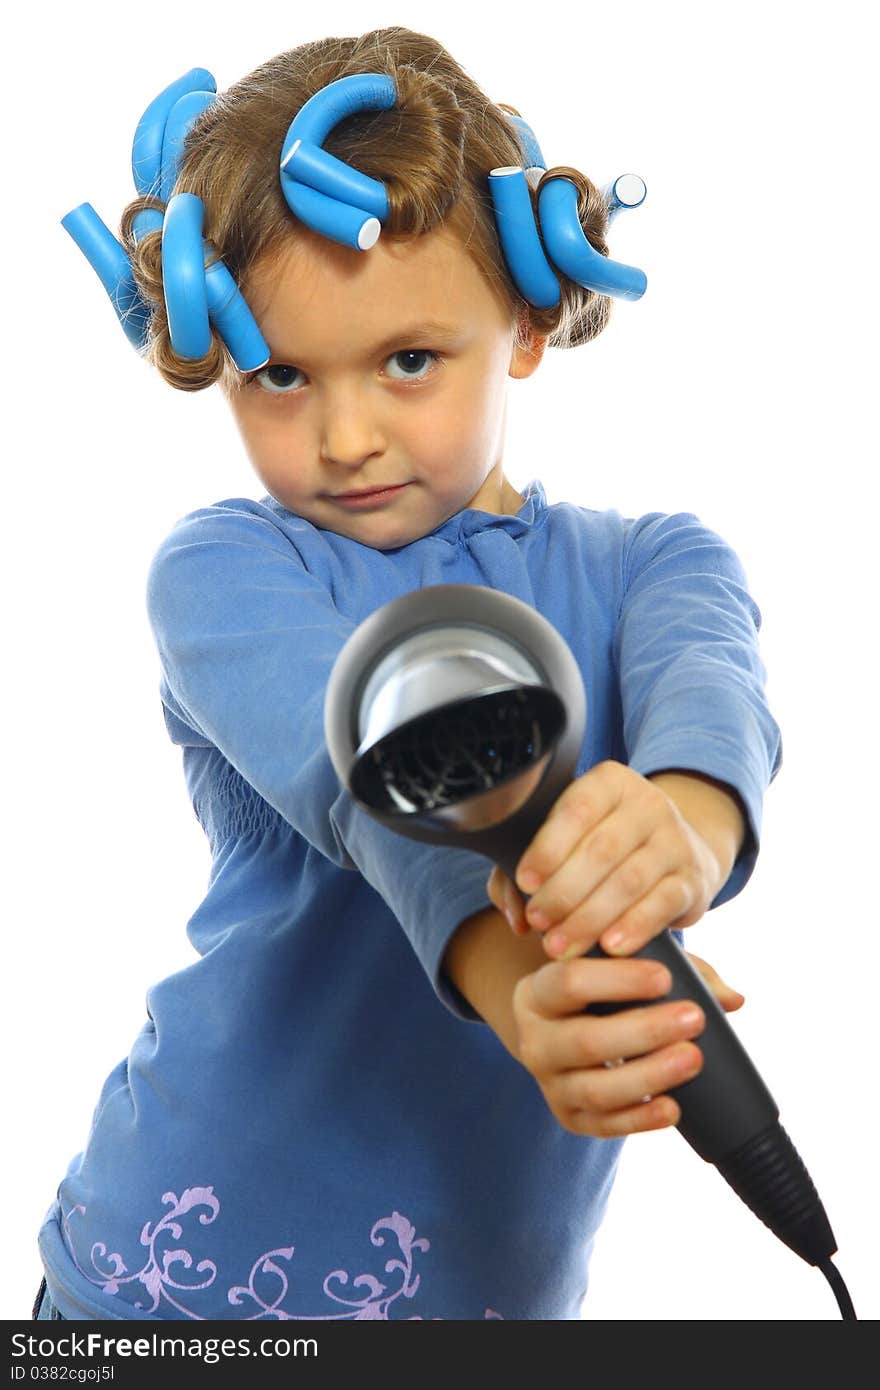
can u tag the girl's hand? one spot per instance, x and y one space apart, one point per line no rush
604 1075
615 862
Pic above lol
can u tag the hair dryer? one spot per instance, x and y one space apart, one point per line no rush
455 714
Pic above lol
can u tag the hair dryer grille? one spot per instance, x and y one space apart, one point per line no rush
458 751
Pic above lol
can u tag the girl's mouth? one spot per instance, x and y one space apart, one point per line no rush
360 501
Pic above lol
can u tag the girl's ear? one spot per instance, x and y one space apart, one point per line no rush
525 360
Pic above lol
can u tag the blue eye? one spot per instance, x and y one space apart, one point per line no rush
411 353
275 380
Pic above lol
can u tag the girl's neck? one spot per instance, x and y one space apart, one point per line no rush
511 501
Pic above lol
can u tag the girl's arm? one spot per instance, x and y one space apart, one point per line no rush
485 962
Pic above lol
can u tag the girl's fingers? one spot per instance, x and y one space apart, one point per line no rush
567 987
729 998
583 805
592 858
672 902
602 1089
504 895
573 1045
654 1112
647 891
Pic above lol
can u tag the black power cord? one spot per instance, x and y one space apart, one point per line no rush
841 1293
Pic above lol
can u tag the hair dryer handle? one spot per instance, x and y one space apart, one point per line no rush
727 1103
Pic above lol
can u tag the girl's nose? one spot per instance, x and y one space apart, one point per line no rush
350 431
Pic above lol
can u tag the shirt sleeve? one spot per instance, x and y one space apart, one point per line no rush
691 675
247 638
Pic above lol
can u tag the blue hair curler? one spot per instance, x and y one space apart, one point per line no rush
562 243
520 243
109 259
534 157
328 195
149 136
181 117
183 276
569 249
150 220
627 191
195 295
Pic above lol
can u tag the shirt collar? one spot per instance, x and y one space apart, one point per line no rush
472 520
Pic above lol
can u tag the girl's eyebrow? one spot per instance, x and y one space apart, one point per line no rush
427 329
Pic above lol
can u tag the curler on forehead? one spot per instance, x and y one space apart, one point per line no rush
335 200
324 192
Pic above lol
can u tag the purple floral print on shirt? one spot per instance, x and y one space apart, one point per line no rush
156 1274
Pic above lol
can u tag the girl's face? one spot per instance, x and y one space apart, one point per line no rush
388 367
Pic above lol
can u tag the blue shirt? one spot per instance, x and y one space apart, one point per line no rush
312 1122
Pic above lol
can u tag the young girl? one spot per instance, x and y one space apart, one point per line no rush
367 1097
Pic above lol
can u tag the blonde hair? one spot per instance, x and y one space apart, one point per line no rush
433 151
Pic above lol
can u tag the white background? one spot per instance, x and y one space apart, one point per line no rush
738 388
